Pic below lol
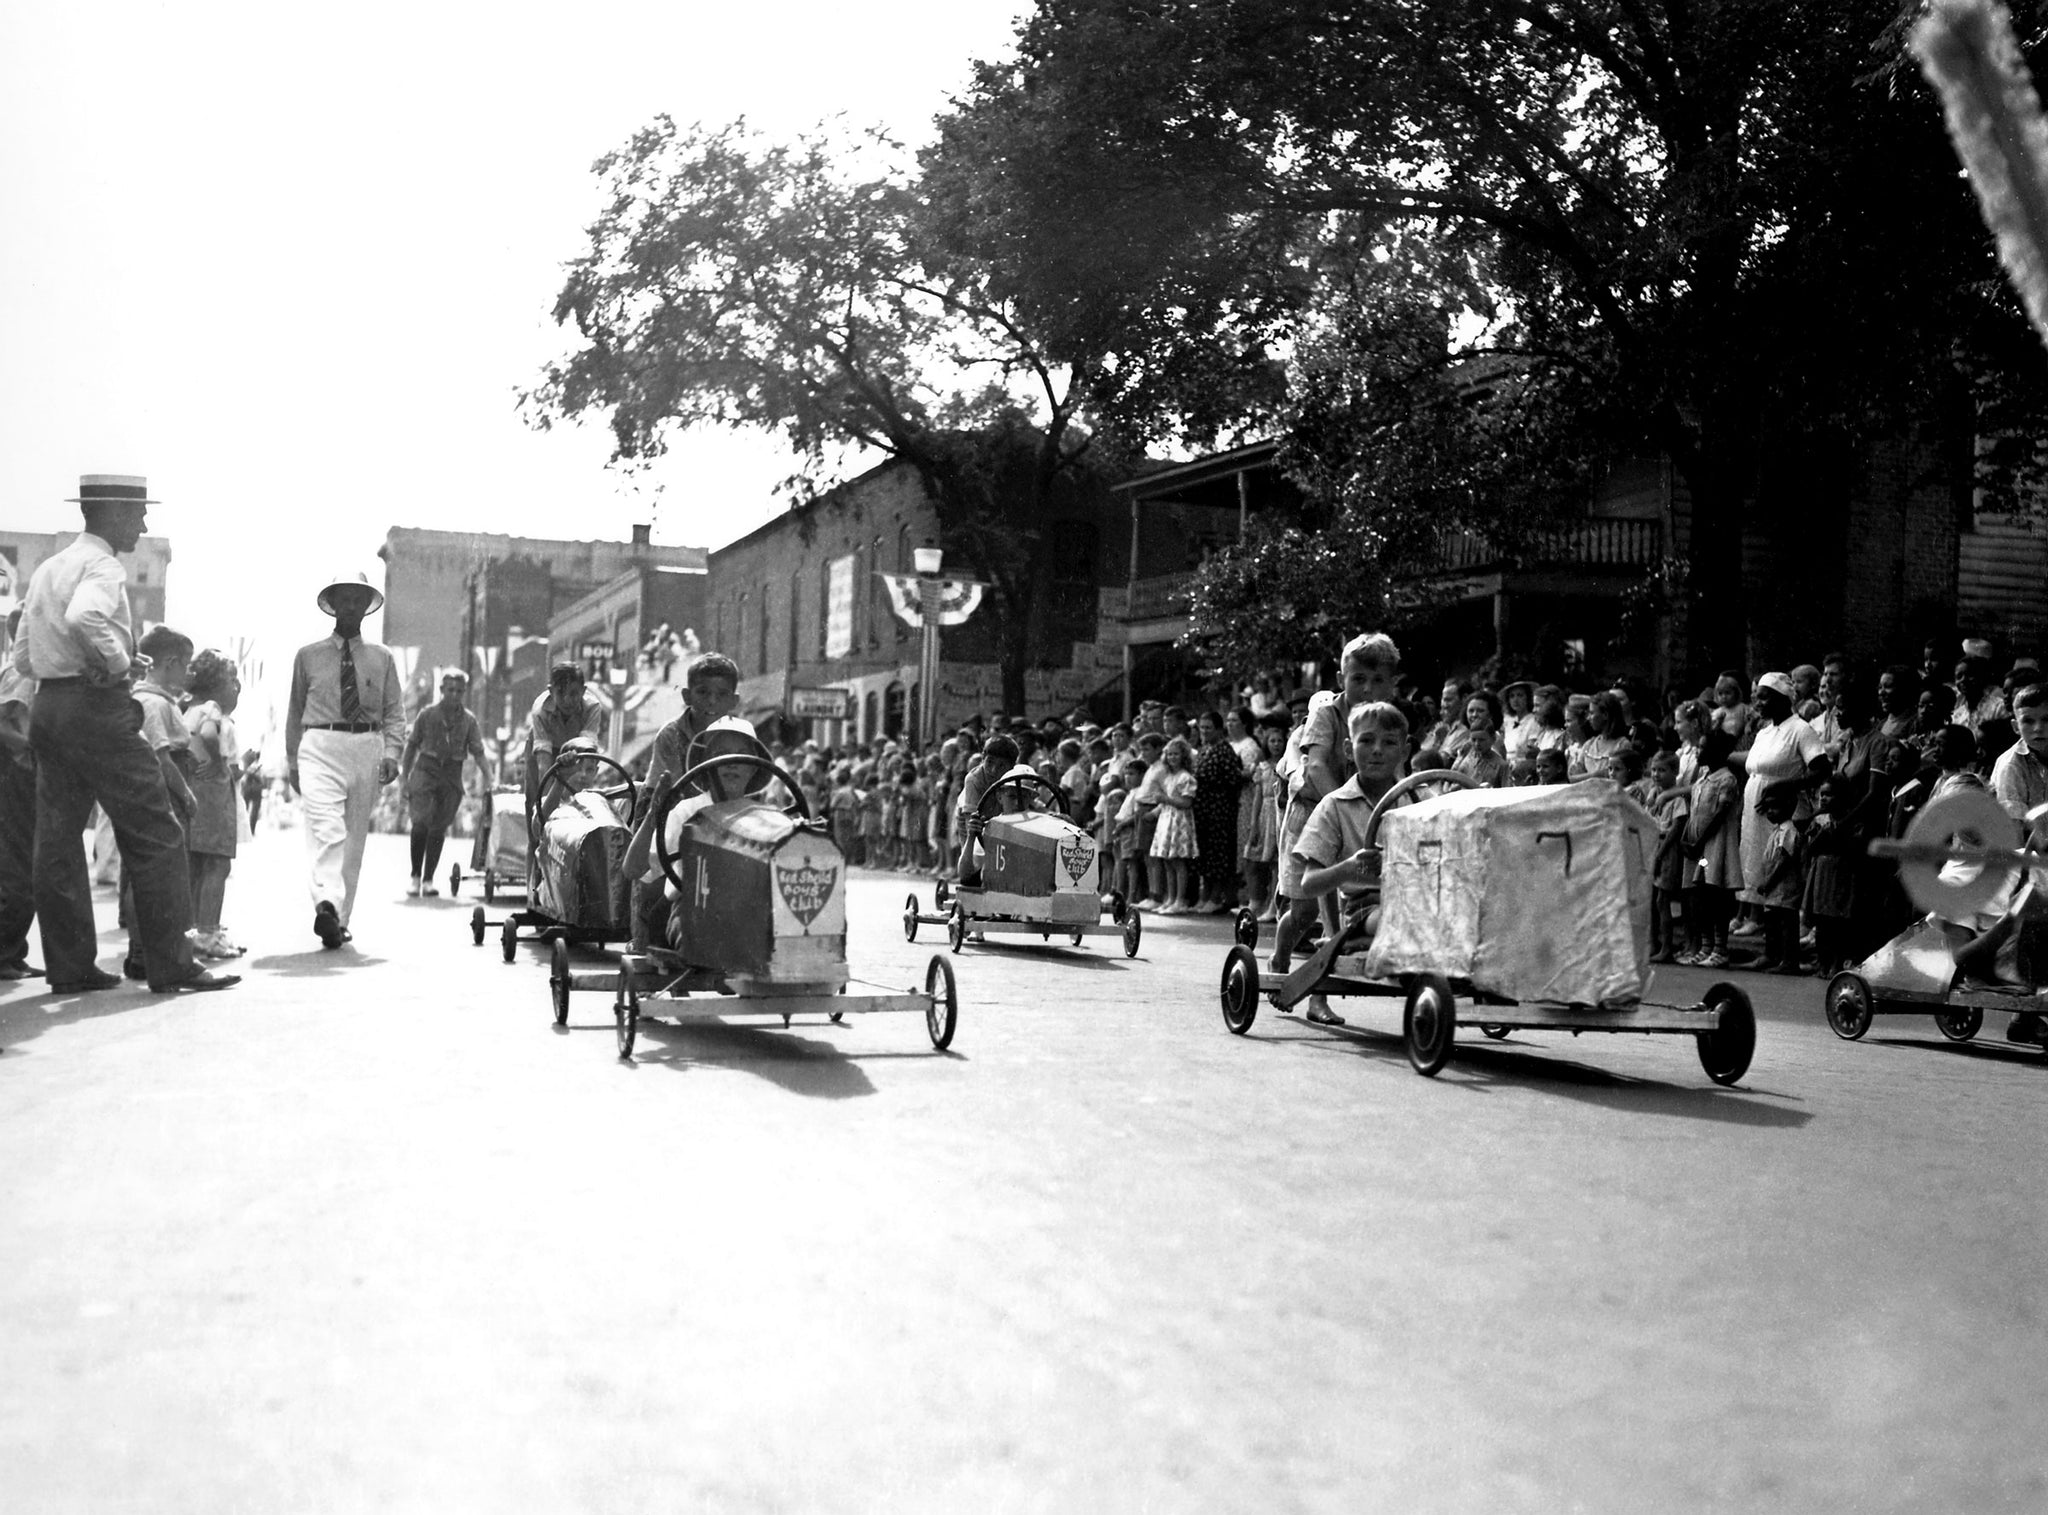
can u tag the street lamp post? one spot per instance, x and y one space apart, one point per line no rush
927 561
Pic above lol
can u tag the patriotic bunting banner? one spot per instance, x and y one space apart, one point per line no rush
954 600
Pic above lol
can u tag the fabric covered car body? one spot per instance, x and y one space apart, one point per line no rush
581 866
1540 895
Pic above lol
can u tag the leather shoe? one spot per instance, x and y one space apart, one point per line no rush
133 967
97 980
19 969
198 983
327 925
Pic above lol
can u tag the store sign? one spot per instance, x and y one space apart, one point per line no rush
590 651
820 704
839 607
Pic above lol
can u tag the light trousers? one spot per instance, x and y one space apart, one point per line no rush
337 797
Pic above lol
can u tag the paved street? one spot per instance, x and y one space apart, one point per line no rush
369 1233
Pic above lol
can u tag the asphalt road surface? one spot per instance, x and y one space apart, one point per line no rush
370 1233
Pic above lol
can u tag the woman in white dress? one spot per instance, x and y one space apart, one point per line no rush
1784 747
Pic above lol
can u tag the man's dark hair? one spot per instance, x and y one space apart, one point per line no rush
563 674
998 755
2028 696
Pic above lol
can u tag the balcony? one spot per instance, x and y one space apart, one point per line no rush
1590 544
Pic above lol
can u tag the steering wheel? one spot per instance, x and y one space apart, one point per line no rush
554 775
1411 783
985 806
680 787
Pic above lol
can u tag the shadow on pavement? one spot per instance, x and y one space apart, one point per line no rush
31 1009
1981 1047
1066 954
318 963
788 1059
1477 1067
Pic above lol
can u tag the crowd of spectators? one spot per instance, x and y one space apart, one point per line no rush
1765 789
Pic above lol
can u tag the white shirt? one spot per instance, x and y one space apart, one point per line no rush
75 620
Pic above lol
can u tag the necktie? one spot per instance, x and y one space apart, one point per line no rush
351 701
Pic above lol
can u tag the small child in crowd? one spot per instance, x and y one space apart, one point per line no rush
1783 882
1670 805
1713 850
1832 847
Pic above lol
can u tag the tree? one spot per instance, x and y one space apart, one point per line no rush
796 289
1729 231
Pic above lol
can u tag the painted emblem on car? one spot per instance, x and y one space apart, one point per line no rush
805 890
1077 858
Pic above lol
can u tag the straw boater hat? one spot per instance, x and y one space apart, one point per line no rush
358 579
111 489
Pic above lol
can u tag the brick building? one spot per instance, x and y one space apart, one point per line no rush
798 604
482 601
149 569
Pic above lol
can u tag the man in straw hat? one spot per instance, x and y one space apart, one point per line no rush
78 642
344 729
443 734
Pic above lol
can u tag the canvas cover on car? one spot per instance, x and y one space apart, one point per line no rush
1538 894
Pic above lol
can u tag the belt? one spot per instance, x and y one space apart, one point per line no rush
355 727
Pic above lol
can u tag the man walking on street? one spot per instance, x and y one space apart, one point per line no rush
443 734
344 728
78 642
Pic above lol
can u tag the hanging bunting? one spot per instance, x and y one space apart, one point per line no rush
957 598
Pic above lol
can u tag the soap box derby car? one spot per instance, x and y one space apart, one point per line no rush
1983 943
577 888
758 923
498 855
1531 904
1040 874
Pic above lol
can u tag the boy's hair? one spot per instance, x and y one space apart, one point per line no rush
1275 722
999 754
2029 695
1382 714
1133 763
1629 763
1070 751
161 644
1152 739
1551 757
1371 649
562 675
1175 711
1716 742
1958 747
1783 792
1665 756
713 665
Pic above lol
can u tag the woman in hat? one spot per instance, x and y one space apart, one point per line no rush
1784 748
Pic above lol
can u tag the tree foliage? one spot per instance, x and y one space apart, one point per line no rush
798 289
1729 231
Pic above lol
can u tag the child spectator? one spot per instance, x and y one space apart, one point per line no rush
1074 778
2019 779
163 728
1782 883
1173 841
1262 834
1130 857
910 817
1625 771
842 806
878 823
1833 848
211 834
1712 851
1551 766
1480 758
1669 803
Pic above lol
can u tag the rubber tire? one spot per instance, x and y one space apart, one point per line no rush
1495 1033
1429 1023
1959 1025
1247 932
558 979
1849 1006
454 880
626 1016
1240 989
1725 1053
910 919
1134 931
477 925
510 938
942 896
942 1016
956 931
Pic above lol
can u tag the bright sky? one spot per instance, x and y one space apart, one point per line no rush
292 263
